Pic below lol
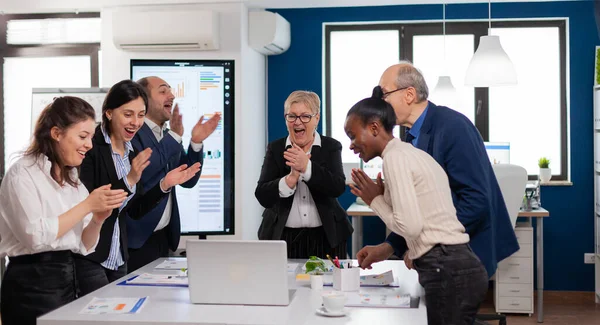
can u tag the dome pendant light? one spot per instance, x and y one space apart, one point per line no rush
444 92
490 65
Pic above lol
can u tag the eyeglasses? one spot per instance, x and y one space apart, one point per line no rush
385 95
304 118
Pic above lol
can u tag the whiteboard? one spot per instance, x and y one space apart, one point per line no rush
41 97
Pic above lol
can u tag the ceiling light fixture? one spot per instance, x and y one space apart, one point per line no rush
490 65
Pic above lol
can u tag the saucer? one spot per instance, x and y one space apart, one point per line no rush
324 312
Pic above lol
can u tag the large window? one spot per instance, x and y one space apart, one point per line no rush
41 51
356 55
355 70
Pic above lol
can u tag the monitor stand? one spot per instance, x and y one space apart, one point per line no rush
183 253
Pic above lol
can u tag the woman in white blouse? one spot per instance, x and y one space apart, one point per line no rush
416 203
46 214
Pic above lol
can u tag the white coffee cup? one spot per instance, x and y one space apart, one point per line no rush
316 282
334 302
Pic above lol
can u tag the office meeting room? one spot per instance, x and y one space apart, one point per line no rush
300 162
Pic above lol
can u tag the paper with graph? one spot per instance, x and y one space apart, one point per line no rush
382 279
159 279
114 306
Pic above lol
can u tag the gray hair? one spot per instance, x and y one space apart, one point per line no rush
410 76
308 98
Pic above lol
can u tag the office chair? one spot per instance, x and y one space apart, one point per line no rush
512 180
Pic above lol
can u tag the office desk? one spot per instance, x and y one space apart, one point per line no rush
357 211
168 305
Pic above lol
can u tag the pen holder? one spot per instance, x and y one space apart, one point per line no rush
346 279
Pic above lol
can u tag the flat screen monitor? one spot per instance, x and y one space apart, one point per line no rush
372 167
201 88
498 152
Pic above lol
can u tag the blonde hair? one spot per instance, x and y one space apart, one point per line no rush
308 98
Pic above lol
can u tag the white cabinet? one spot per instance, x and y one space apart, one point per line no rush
597 187
514 277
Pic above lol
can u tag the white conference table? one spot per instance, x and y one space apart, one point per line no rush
170 305
358 211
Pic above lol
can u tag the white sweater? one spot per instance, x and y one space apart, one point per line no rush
417 202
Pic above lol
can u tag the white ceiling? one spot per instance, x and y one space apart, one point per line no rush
41 6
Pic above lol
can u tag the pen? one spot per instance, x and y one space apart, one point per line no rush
332 262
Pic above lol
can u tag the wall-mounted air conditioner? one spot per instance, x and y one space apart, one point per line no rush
269 33
166 30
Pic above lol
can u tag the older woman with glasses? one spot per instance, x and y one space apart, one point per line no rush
299 183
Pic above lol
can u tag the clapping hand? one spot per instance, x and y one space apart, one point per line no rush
176 122
292 178
364 187
296 158
138 164
201 130
102 201
179 175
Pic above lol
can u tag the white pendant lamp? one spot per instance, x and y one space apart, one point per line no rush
444 92
490 65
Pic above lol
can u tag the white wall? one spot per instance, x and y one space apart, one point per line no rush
39 6
250 102
253 118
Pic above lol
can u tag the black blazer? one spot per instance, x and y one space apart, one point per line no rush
98 169
327 182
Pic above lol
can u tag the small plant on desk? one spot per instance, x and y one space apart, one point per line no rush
544 162
545 171
315 265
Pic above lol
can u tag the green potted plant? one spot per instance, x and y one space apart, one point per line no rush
315 265
316 268
545 171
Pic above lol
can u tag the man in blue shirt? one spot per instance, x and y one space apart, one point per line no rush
455 143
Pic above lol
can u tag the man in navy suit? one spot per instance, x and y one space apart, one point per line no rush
455 143
158 231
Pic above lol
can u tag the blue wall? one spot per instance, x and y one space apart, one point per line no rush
569 232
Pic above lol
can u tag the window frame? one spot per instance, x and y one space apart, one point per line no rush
407 30
42 50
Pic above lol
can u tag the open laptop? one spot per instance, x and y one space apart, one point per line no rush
238 272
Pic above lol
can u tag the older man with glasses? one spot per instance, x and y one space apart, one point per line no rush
300 181
454 142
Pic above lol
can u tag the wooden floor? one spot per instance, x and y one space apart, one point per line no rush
560 308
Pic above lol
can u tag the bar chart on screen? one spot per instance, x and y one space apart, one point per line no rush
201 89
178 89
209 80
